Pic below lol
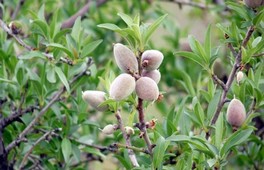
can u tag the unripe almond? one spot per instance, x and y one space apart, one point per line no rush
129 130
147 89
236 113
253 3
125 59
109 129
239 76
94 98
151 59
122 87
154 75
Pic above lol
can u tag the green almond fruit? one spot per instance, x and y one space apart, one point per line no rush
236 113
153 74
125 59
122 87
147 89
95 98
151 59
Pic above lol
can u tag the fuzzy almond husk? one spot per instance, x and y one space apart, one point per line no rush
122 87
125 59
236 113
239 76
109 129
94 98
154 75
147 89
151 59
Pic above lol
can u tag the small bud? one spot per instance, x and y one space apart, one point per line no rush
147 89
122 87
236 113
239 76
94 98
151 59
253 3
154 75
125 59
15 27
109 129
129 130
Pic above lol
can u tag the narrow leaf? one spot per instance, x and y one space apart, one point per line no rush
66 149
62 78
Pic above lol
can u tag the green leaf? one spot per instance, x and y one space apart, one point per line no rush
194 57
207 44
239 9
87 49
62 78
198 49
61 47
127 19
66 149
109 26
41 13
219 130
198 110
235 139
212 106
159 150
61 34
43 27
152 28
31 54
7 81
51 77
76 29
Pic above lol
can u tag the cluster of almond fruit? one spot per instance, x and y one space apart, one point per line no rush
140 74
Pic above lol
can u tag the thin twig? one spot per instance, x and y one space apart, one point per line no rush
136 149
14 116
44 110
143 125
29 48
230 46
191 3
258 55
218 81
20 3
9 31
99 147
44 137
131 153
70 21
231 76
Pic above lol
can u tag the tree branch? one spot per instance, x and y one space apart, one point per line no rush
20 3
259 55
14 116
191 3
231 76
44 137
29 48
142 125
70 21
218 81
131 153
136 149
55 98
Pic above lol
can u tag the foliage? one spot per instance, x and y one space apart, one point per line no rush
45 67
